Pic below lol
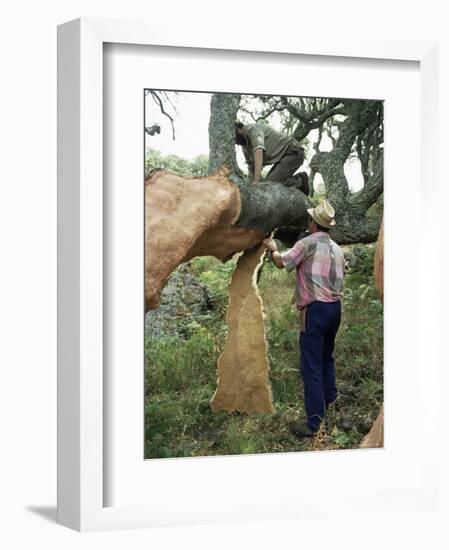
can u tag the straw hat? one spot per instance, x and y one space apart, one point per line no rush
323 214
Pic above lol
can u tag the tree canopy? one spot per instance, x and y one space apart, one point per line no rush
334 132
354 129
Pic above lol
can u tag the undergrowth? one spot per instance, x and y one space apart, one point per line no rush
180 373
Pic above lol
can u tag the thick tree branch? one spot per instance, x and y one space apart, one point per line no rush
267 206
372 189
307 125
317 143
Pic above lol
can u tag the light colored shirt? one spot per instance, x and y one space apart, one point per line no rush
319 264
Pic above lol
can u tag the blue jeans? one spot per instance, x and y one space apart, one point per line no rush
317 364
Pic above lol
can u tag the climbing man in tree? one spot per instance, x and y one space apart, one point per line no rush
262 145
319 265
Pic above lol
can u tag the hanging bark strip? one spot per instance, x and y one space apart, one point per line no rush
243 383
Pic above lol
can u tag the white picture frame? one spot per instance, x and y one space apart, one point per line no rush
81 402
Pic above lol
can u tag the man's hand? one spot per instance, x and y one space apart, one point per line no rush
275 256
270 244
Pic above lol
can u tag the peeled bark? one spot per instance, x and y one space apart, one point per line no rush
243 384
375 437
188 217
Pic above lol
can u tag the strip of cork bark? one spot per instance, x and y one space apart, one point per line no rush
243 370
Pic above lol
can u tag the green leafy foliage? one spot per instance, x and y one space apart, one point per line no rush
195 167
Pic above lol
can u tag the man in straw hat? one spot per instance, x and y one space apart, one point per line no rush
319 265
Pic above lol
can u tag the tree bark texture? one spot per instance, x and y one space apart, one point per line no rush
353 225
243 370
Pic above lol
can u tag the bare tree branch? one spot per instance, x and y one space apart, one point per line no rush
159 102
317 143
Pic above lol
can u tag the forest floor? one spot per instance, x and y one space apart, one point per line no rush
180 366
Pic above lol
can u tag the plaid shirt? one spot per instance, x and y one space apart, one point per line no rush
319 264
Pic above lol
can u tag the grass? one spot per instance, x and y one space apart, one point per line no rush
180 374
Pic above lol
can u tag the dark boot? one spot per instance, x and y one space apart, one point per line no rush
301 429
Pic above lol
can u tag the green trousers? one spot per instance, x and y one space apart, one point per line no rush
287 166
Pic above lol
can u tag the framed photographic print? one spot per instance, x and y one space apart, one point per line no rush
153 230
227 303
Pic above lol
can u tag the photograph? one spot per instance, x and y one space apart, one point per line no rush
263 273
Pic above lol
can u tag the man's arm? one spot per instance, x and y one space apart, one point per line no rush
256 137
258 164
275 255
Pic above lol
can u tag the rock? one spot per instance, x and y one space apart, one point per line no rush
183 298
